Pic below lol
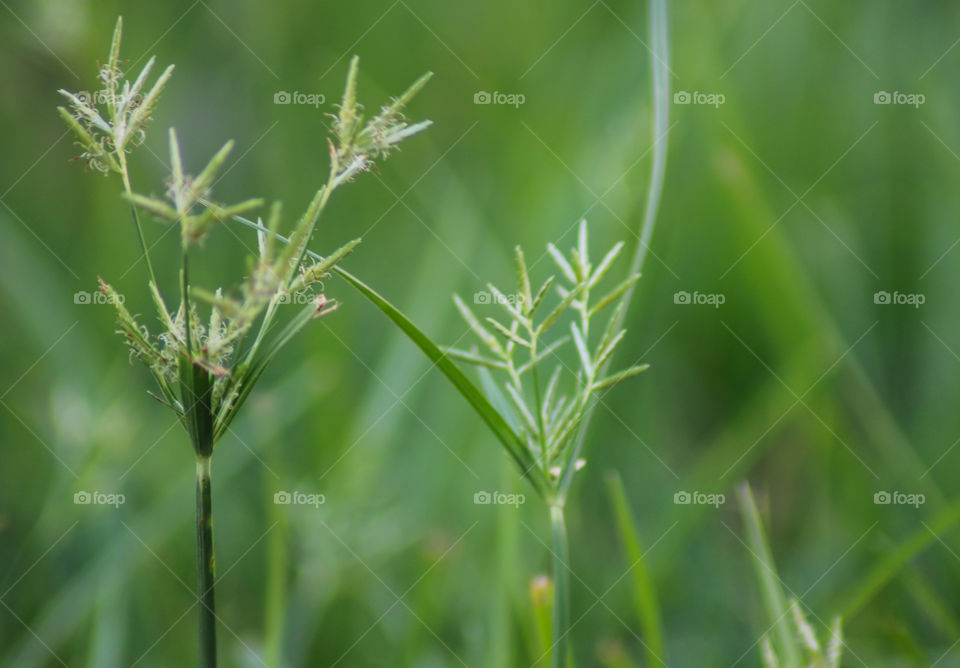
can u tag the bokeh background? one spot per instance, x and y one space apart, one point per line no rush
797 200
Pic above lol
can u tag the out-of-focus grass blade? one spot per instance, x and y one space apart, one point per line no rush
888 567
644 593
110 628
931 602
275 604
774 601
660 67
541 602
507 567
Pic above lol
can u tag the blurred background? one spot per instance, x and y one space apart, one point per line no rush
798 312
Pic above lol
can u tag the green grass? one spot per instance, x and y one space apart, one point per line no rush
352 410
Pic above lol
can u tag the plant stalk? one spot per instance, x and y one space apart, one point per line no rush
125 175
561 585
659 39
205 566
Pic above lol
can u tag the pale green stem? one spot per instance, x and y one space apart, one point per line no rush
561 587
125 175
660 53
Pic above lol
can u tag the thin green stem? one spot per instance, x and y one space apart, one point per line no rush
561 585
660 65
185 297
205 567
125 175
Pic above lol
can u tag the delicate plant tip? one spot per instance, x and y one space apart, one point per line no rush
111 119
769 658
805 643
358 143
805 631
835 644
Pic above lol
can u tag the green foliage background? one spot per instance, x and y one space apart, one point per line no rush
797 199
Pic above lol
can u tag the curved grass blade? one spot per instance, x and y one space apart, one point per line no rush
511 442
660 64
507 437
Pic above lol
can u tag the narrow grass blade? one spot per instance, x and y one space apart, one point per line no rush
644 593
774 601
507 437
890 565
660 65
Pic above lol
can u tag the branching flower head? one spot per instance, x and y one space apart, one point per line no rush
359 143
190 196
520 342
109 121
206 366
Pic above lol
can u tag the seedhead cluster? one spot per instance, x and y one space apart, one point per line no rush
206 366
360 143
110 121
519 343
815 656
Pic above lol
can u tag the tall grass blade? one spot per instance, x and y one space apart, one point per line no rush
644 592
774 601
660 65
